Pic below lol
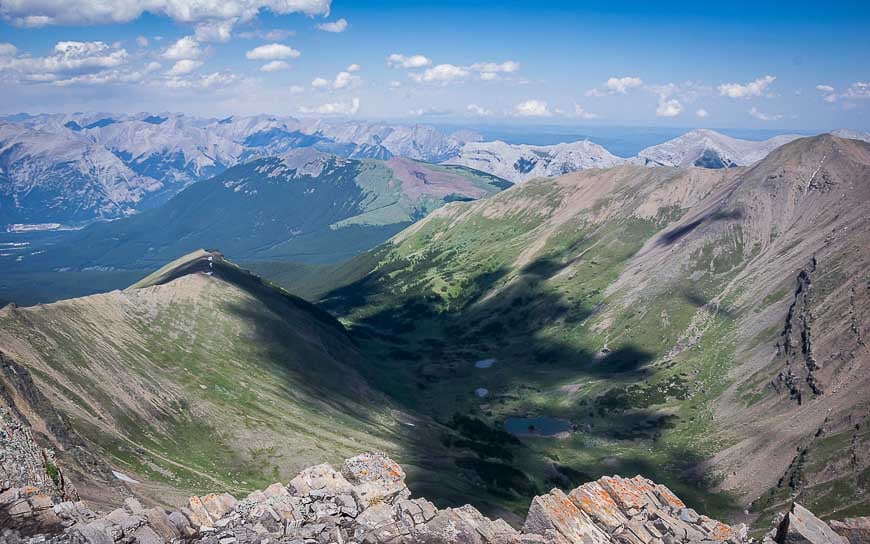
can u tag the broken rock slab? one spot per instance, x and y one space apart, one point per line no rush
800 526
855 530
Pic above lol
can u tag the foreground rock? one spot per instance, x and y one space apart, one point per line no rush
367 502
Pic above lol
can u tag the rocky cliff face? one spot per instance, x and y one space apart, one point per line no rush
367 501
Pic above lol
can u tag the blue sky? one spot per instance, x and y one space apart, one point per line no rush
772 65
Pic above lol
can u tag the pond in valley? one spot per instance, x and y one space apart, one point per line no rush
537 426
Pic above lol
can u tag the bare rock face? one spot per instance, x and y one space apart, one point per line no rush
800 526
367 502
854 530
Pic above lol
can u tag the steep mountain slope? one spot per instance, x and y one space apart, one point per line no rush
305 205
519 163
202 376
63 178
699 326
709 149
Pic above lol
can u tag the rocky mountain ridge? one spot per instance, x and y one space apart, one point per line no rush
368 502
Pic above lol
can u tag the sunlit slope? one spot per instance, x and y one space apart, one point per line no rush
650 307
203 376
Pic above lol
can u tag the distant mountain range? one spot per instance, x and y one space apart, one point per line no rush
72 169
303 205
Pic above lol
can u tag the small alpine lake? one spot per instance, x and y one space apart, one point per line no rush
537 426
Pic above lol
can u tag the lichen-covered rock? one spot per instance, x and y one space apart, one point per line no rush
369 503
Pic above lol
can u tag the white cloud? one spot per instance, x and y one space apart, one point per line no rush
825 88
532 108
474 109
395 84
753 88
490 70
153 67
335 26
580 112
142 41
68 59
32 13
343 80
185 48
214 80
274 66
614 85
859 89
668 107
397 60
354 68
274 35
272 51
429 112
184 66
215 31
105 77
7 50
755 112
441 74
702 113
297 89
333 108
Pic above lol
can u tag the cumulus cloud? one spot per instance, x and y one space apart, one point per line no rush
441 74
532 108
185 48
580 112
68 59
354 68
272 51
297 89
702 113
825 88
334 26
343 80
184 66
32 13
616 85
859 89
490 70
7 50
214 80
753 88
668 107
215 31
142 41
397 60
333 108
755 112
474 109
274 66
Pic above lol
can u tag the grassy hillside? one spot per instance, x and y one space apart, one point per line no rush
646 307
304 206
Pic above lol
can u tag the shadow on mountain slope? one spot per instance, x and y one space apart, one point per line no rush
675 234
421 349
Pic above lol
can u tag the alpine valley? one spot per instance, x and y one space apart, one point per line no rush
251 296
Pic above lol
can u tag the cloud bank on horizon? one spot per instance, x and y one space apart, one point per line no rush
560 63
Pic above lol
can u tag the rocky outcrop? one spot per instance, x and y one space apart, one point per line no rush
800 526
854 530
795 345
367 502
